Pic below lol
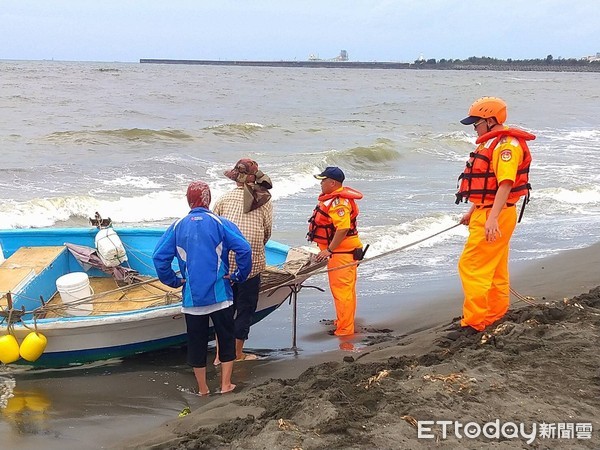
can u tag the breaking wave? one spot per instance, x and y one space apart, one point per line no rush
106 137
582 135
379 153
47 212
577 196
245 129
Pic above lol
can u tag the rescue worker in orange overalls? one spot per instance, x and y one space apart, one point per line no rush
333 227
495 177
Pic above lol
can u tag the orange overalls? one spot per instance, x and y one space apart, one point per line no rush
483 265
340 212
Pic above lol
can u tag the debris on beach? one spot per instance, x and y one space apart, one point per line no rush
377 378
454 382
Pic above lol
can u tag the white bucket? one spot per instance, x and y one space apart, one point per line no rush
73 287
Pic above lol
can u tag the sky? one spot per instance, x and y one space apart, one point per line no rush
369 30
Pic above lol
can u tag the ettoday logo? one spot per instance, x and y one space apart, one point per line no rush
506 430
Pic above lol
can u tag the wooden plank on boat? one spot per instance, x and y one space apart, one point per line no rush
12 279
36 258
23 265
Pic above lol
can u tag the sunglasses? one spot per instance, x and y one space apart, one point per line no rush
479 122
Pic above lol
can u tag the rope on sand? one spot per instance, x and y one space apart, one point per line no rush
523 298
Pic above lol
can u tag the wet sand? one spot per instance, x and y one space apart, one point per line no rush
539 364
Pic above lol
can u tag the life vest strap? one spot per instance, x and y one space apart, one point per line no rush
489 205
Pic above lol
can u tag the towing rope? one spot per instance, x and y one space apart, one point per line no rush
389 252
526 299
356 263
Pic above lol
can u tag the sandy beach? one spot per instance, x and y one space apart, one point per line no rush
531 379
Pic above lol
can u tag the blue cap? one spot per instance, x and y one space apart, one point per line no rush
470 120
335 173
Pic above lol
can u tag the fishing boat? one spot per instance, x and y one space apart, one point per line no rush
89 311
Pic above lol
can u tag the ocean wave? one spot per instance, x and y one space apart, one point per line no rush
289 185
580 135
454 137
153 207
577 196
245 129
107 137
46 212
129 180
433 255
379 153
389 237
453 146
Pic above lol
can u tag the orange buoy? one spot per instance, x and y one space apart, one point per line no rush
9 349
33 346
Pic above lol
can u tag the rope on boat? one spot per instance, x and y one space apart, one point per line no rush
166 298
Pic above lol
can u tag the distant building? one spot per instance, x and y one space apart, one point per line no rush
592 58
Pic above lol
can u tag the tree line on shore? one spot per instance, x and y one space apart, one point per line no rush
488 61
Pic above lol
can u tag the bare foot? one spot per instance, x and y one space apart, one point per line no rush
247 357
230 388
203 394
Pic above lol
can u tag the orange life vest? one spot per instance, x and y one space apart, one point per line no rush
320 225
478 182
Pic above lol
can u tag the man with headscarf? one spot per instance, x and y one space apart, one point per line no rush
249 207
201 242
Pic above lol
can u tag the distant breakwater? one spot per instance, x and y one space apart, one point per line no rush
381 65
310 64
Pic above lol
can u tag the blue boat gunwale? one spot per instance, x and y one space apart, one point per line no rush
49 237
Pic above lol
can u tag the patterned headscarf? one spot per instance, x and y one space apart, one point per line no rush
256 184
198 194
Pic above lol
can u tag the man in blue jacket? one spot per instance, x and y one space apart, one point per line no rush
201 242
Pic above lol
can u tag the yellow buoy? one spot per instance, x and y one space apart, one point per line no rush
9 349
33 346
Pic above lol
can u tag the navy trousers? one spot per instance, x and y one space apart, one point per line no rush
245 299
197 336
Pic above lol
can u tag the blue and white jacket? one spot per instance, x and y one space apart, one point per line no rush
201 241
